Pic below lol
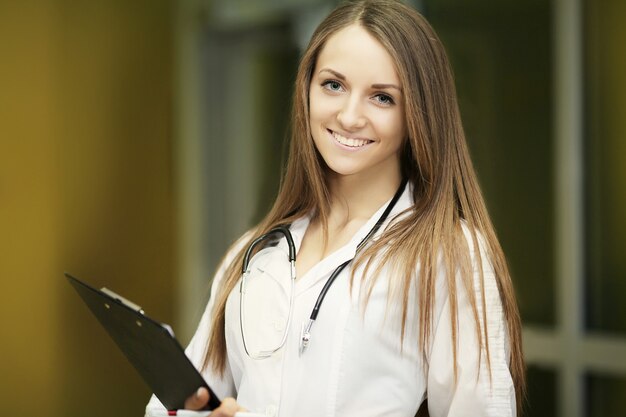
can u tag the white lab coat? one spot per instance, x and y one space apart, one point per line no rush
355 365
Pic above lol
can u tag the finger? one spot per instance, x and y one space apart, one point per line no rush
198 400
228 408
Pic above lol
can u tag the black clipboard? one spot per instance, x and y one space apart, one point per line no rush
150 346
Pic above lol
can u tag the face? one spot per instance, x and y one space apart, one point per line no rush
356 111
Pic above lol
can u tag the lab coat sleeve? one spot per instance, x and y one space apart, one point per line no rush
476 392
223 386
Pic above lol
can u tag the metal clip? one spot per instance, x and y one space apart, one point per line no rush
305 336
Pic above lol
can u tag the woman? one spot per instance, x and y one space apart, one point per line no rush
378 171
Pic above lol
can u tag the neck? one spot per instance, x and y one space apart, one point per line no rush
356 197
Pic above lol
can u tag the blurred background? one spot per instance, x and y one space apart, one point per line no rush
139 138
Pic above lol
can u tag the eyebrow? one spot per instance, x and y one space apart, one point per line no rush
343 78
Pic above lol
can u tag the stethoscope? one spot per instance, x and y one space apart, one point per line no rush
305 336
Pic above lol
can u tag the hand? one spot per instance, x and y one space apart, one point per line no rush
228 408
197 401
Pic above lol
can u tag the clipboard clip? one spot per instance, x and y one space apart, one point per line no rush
122 300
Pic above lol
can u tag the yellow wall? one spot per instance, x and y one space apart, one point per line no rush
85 186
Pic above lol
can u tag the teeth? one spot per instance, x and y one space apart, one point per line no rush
354 143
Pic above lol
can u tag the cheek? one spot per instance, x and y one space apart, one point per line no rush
392 127
316 116
318 106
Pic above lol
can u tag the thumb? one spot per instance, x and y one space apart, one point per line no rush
198 400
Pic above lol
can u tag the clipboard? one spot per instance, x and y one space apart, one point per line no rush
149 346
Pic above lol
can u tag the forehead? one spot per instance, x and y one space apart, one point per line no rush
355 53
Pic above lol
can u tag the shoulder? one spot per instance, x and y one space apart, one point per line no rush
237 246
229 257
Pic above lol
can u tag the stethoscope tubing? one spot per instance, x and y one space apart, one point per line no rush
372 232
284 230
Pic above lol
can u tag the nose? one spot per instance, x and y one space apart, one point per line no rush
351 116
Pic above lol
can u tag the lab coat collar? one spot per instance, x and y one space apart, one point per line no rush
323 268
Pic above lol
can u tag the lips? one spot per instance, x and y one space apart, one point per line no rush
350 142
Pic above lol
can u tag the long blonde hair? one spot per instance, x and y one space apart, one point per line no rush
436 161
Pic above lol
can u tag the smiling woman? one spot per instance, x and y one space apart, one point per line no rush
381 218
356 111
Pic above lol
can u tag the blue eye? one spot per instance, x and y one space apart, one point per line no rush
332 85
384 99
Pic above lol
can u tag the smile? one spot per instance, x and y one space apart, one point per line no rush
349 142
